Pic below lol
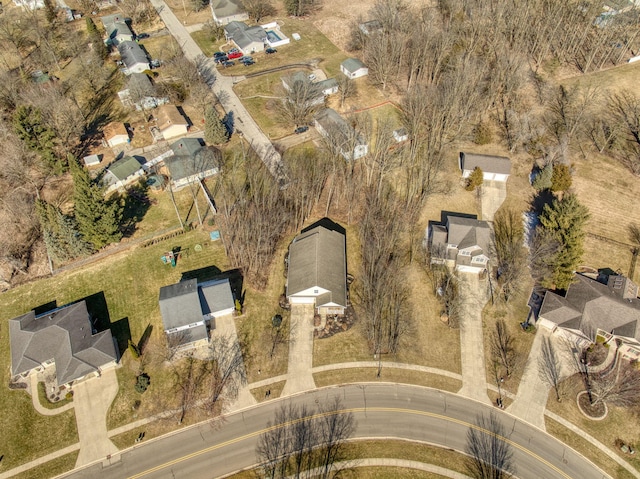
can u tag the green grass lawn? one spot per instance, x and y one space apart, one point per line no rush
204 41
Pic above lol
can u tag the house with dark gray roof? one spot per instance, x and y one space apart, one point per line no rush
189 310
121 173
192 162
117 29
494 168
317 271
341 135
247 39
461 242
608 307
227 11
64 338
133 57
141 93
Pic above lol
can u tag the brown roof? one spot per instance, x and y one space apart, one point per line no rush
114 129
168 115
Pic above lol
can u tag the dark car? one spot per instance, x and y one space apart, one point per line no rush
155 63
301 129
248 62
219 54
221 59
142 36
228 64
245 58
269 51
234 50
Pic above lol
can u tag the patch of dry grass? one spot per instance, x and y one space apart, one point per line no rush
274 388
183 11
52 468
387 374
620 423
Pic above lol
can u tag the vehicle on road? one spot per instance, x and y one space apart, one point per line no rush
269 51
228 64
232 55
301 129
219 54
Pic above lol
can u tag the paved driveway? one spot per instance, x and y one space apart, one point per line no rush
493 194
299 377
92 399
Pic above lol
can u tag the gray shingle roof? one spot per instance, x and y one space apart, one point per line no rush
332 123
226 8
215 296
468 232
64 335
243 35
180 304
487 163
352 64
590 305
190 158
131 54
317 258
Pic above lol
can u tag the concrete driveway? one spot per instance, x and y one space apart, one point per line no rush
299 377
91 400
492 195
474 296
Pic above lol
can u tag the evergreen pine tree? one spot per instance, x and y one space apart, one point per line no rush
91 27
542 181
215 131
60 233
28 125
475 179
561 178
98 218
564 219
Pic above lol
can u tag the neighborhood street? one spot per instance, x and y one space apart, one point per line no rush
218 448
223 89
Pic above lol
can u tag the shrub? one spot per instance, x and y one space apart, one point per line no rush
143 383
482 134
69 396
561 178
542 181
475 179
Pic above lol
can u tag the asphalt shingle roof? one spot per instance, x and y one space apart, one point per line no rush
487 163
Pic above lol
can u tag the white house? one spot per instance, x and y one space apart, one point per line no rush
191 162
343 136
115 134
494 168
30 4
133 57
317 271
117 29
462 243
189 310
400 135
227 11
353 68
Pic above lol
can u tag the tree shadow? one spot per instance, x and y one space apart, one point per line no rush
544 197
144 339
136 204
229 122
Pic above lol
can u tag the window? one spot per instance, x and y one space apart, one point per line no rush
315 291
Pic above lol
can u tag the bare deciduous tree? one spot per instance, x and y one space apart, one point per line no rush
490 456
619 386
511 256
346 88
549 367
502 349
227 372
625 109
301 100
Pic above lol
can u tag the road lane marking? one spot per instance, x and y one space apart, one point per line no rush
343 411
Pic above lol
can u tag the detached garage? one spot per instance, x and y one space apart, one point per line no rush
494 168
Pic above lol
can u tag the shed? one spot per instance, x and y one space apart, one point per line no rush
115 134
353 68
92 160
494 168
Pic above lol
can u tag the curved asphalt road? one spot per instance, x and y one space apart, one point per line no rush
381 411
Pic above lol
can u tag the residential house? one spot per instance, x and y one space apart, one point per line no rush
343 137
353 68
227 11
170 122
121 173
64 338
317 270
117 29
115 134
133 57
400 135
247 39
189 310
192 162
140 93
461 242
317 90
494 168
608 307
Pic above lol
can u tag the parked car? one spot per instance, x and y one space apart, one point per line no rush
301 129
245 58
155 63
234 55
142 36
233 50
248 62
312 77
228 64
221 59
270 50
219 54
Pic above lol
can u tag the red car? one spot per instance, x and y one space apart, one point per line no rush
233 55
